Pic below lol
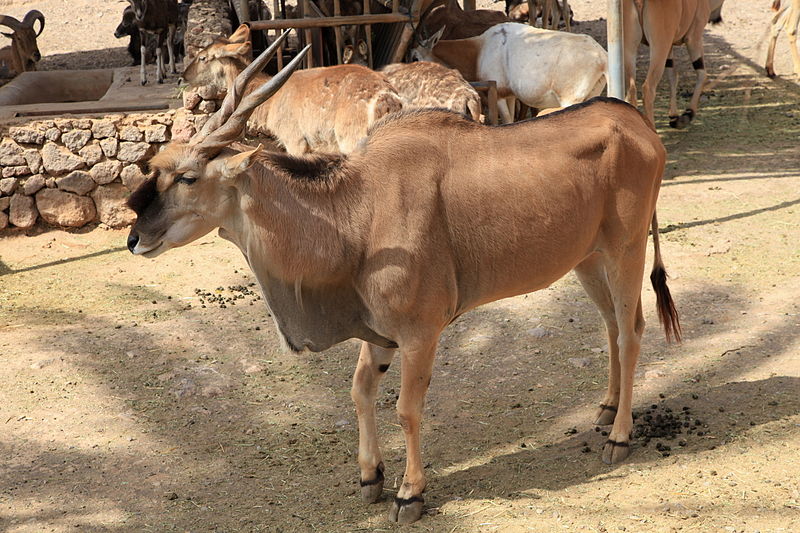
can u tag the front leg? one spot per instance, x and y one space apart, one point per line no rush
142 55
415 378
170 48
160 58
373 362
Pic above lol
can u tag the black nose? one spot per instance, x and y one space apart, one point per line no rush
133 240
37 56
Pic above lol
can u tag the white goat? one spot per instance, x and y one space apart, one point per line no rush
543 68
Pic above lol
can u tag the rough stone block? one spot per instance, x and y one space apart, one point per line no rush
130 133
8 186
53 134
22 170
33 184
11 154
103 128
34 160
26 135
62 208
5 201
79 182
156 133
109 146
76 139
111 207
105 172
58 160
132 176
22 212
3 220
132 152
91 153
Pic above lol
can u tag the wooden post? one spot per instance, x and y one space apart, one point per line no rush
278 14
244 8
469 5
492 98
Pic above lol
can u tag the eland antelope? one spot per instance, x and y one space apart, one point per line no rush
661 24
431 216
327 109
787 18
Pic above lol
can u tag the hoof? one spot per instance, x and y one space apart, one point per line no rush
406 511
606 415
673 121
144 82
770 73
683 120
615 452
371 490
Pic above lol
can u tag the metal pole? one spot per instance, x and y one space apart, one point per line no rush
616 61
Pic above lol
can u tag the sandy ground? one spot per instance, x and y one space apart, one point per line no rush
128 406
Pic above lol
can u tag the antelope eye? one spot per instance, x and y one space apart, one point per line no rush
181 178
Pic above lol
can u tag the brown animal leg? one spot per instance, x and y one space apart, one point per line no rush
565 13
672 76
415 378
143 48
592 275
160 59
658 57
792 28
632 38
625 283
775 30
695 47
373 362
170 49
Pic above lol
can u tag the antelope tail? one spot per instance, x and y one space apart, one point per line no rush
667 313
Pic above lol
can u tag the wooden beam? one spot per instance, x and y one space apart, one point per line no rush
302 23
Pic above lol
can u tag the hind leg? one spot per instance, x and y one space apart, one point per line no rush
592 275
170 49
672 76
625 267
791 30
694 43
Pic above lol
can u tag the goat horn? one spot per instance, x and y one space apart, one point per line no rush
11 22
31 18
224 135
236 91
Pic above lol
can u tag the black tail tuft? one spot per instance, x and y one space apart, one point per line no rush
667 313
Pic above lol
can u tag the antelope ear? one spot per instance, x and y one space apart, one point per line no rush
433 41
236 50
362 48
232 166
242 34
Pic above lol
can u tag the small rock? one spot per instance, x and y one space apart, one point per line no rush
170 496
133 152
33 184
132 177
103 128
111 207
106 172
11 154
26 135
156 134
191 99
109 146
22 212
539 332
8 186
5 201
207 106
3 220
41 364
130 133
58 160
580 362
53 134
654 374
63 208
22 170
34 160
79 182
74 140
91 153
341 423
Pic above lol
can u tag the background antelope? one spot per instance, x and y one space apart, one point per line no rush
325 109
434 215
787 18
542 68
662 24
160 18
457 23
23 53
425 84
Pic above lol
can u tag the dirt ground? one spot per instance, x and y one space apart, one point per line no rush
129 405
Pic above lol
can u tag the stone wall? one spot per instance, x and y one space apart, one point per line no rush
70 172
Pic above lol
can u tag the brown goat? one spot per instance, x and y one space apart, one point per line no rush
23 54
424 84
326 109
459 24
433 216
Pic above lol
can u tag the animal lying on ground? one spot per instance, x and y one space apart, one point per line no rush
662 24
424 84
23 53
542 68
432 216
326 109
160 18
787 18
